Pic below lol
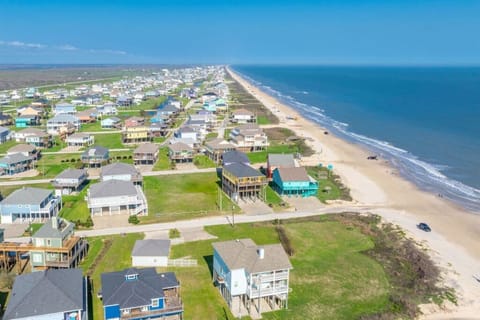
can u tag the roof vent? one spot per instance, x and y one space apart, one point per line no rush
261 253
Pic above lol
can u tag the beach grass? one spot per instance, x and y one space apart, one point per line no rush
75 206
183 196
330 186
163 162
331 277
273 199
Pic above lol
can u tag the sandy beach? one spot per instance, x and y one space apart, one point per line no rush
454 242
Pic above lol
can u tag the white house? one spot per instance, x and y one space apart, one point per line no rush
243 116
61 121
80 140
150 253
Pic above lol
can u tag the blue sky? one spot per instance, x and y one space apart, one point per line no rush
240 32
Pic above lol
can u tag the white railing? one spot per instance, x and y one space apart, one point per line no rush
182 262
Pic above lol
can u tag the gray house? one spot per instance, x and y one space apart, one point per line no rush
51 294
116 197
70 180
15 163
121 171
95 156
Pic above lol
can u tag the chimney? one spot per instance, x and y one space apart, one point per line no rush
54 223
261 253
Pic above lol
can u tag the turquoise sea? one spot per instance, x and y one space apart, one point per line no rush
424 120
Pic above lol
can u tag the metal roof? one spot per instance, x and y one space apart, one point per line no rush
151 248
112 188
242 170
27 195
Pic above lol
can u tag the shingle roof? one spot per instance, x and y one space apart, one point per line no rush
234 156
95 151
45 292
281 160
179 146
78 135
63 117
242 170
48 231
112 188
15 158
21 148
293 174
146 148
243 253
27 195
71 174
219 144
151 247
33 131
3 129
242 112
119 168
135 293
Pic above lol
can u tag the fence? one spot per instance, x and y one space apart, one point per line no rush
182 262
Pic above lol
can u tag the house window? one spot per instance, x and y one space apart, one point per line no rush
126 311
37 257
145 308
48 242
155 303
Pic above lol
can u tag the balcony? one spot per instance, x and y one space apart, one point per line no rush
172 308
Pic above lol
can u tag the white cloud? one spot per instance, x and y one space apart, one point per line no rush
20 44
67 47
64 47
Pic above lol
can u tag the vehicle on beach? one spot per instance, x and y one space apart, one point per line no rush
372 158
423 226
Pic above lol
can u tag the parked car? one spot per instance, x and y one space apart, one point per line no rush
423 226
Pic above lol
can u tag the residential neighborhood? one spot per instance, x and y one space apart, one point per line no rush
169 146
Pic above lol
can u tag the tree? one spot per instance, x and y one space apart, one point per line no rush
133 219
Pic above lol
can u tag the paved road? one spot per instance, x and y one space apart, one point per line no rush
216 220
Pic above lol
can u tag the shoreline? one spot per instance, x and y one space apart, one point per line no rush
455 231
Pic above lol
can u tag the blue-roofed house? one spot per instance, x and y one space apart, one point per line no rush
51 294
111 123
15 163
139 294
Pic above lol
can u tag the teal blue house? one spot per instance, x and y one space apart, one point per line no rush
26 121
138 294
294 182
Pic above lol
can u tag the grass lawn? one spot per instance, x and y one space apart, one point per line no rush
163 162
211 135
263 120
273 199
110 140
93 126
202 162
121 156
50 165
159 139
331 278
183 196
7 145
261 156
75 207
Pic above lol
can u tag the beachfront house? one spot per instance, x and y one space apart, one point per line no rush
252 279
249 137
29 204
60 121
111 123
69 181
116 197
95 156
241 181
15 163
242 116
151 253
180 152
294 182
279 160
141 294
50 294
56 246
121 171
215 148
146 154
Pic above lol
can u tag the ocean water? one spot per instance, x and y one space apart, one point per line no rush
424 120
